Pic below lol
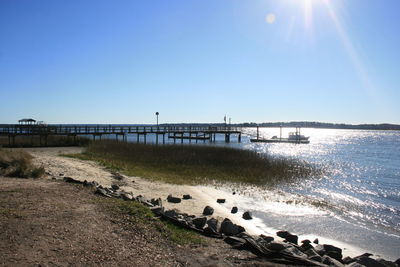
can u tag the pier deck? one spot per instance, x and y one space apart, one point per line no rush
196 133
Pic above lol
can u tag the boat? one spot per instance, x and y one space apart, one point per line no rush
293 137
297 136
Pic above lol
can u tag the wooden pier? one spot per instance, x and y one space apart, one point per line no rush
191 133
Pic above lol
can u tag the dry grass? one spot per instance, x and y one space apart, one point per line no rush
185 164
18 163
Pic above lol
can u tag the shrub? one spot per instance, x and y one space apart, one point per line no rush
18 163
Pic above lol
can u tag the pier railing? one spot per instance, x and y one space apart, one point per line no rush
11 129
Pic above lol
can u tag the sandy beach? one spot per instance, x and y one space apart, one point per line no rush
58 167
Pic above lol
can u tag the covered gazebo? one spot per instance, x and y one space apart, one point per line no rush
27 121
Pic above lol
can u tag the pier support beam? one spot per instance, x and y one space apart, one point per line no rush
227 138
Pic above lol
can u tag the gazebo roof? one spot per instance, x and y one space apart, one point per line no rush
27 120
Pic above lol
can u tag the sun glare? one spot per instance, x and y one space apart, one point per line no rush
308 13
270 18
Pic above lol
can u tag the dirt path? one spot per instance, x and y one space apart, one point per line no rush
56 224
52 223
47 222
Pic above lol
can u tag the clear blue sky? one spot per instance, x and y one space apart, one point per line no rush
94 61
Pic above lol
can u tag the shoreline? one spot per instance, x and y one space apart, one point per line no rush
59 167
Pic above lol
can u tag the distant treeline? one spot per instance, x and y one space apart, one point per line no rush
303 124
311 124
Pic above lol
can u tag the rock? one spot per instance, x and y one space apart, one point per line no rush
235 241
333 252
397 261
247 215
293 251
213 224
229 228
157 210
233 193
187 197
331 262
171 213
126 196
313 255
277 246
241 229
142 200
172 199
102 192
348 260
208 231
156 202
220 200
320 250
306 246
305 241
61 174
369 262
72 180
115 187
363 255
316 241
386 263
288 236
208 211
355 264
199 222
234 210
267 238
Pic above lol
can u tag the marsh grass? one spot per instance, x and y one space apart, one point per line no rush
185 164
52 141
18 163
137 213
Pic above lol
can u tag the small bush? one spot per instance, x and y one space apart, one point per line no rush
18 163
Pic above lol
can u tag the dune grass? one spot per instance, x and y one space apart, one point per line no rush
18 163
186 164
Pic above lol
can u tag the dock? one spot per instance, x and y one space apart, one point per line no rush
96 132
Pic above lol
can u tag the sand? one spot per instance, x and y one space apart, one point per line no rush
58 166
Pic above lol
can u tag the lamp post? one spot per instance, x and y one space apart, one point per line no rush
157 117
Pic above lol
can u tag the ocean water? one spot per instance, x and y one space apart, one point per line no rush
356 202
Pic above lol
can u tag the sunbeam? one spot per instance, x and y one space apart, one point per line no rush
308 14
355 59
